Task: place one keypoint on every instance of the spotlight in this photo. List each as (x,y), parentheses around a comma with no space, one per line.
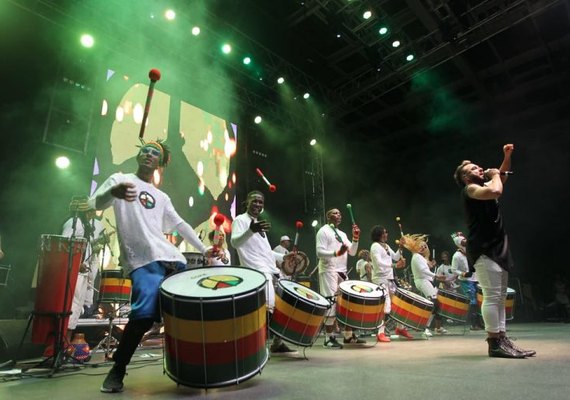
(395,43)
(62,162)
(306,96)
(170,14)
(257,120)
(314,223)
(383,30)
(409,57)
(367,14)
(247,60)
(87,40)
(196,31)
(313,142)
(280,80)
(226,49)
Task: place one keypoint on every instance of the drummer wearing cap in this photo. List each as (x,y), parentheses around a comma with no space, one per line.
(283,248)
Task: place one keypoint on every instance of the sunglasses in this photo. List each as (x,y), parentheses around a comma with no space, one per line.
(151,150)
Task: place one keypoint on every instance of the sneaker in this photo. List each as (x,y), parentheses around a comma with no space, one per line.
(428,333)
(331,343)
(527,353)
(113,383)
(281,348)
(403,332)
(353,340)
(381,337)
(441,331)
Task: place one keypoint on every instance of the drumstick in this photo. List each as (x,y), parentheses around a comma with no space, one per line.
(272,188)
(349,208)
(298,225)
(154,75)
(218,221)
(400,225)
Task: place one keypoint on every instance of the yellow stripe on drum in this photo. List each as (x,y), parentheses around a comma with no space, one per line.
(453,303)
(116,282)
(296,314)
(415,310)
(360,308)
(214,331)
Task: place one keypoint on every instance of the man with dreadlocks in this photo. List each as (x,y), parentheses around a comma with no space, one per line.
(144,214)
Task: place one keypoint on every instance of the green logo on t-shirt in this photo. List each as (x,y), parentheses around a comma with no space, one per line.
(147,201)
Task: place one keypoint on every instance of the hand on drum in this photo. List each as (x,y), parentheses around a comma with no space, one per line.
(401,263)
(260,226)
(126,191)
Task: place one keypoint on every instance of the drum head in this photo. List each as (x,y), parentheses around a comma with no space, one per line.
(303,292)
(413,296)
(362,289)
(295,263)
(213,282)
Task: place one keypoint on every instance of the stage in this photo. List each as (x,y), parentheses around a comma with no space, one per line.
(453,366)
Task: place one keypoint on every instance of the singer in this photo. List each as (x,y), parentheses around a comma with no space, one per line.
(332,248)
(143,214)
(488,247)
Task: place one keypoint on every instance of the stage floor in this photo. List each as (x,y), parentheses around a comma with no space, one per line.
(453,366)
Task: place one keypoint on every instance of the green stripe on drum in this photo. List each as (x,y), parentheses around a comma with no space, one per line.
(209,375)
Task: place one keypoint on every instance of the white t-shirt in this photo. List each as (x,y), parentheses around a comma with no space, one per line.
(382,258)
(141,224)
(361,269)
(215,262)
(420,268)
(253,249)
(459,265)
(327,244)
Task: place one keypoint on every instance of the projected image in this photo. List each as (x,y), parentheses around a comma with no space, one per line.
(200,178)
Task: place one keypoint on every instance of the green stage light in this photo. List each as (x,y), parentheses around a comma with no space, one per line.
(87,40)
(367,14)
(314,223)
(396,43)
(257,119)
(62,162)
(306,96)
(383,30)
(247,60)
(196,31)
(313,142)
(280,80)
(226,48)
(170,14)
(409,57)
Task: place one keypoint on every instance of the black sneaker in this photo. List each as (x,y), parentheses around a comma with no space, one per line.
(113,383)
(281,348)
(499,348)
(509,342)
(353,340)
(331,343)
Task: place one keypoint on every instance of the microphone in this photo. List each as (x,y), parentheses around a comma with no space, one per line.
(506,173)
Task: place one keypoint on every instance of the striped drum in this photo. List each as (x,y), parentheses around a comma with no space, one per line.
(215,325)
(299,313)
(360,304)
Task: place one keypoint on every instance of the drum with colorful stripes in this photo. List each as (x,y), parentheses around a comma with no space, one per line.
(411,309)
(360,304)
(452,305)
(509,302)
(114,287)
(215,325)
(299,313)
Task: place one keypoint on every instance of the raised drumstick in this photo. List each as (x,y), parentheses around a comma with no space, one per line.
(154,75)
(272,188)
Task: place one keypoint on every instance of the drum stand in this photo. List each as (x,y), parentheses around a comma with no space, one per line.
(109,342)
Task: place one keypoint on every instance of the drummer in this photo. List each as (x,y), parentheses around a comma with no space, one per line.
(144,213)
(364,266)
(423,276)
(224,258)
(384,260)
(283,248)
(249,238)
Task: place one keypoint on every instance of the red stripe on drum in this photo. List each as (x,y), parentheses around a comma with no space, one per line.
(215,353)
(358,316)
(294,330)
(115,289)
(407,316)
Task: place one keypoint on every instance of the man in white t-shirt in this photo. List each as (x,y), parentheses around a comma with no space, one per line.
(283,248)
(249,238)
(144,214)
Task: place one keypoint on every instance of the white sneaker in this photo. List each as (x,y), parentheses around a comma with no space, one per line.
(428,333)
(441,331)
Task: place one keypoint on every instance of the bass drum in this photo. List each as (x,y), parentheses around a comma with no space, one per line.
(215,325)
(411,309)
(360,304)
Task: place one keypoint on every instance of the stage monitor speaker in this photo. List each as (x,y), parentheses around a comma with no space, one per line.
(11,332)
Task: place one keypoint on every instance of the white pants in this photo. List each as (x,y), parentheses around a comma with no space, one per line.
(269,292)
(493,281)
(328,286)
(78,300)
(426,288)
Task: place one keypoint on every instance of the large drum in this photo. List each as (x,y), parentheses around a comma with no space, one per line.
(194,260)
(452,305)
(360,304)
(114,287)
(509,302)
(299,313)
(411,309)
(215,325)
(52,299)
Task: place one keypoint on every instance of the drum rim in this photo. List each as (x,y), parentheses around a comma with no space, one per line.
(326,303)
(358,295)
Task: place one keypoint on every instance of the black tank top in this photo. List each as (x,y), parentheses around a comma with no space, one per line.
(487,233)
